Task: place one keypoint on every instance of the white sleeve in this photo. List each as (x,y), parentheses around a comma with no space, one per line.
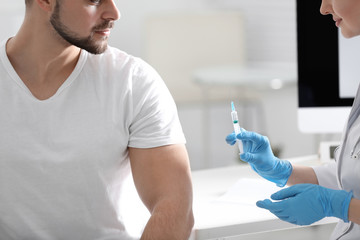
(326,175)
(155,119)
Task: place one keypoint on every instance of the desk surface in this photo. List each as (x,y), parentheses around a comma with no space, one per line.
(214,219)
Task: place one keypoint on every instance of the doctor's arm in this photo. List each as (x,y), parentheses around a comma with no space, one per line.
(258,153)
(302,174)
(354,211)
(163,180)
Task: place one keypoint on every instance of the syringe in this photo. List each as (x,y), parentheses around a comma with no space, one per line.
(235,120)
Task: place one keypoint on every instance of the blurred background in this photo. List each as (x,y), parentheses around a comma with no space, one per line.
(209,53)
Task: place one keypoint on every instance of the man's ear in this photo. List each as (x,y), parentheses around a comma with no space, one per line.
(46,5)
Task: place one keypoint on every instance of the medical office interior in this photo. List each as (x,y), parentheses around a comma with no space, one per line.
(209,53)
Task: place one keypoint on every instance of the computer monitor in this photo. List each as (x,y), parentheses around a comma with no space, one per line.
(328,71)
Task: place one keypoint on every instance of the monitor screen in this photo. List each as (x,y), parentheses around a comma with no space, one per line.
(327,71)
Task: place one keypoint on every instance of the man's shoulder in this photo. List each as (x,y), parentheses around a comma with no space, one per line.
(117,57)
(113,51)
(115,62)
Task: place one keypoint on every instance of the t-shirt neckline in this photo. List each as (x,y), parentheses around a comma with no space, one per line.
(15,77)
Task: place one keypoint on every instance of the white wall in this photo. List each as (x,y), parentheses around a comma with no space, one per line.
(270,34)
(270,24)
(11,15)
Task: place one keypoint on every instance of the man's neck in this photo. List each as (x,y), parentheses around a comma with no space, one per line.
(41,61)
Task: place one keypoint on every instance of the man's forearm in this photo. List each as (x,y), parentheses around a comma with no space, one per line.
(169,220)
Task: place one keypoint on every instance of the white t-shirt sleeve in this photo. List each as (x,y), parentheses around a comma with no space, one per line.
(326,175)
(155,119)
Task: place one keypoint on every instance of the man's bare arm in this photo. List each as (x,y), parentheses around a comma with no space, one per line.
(163,180)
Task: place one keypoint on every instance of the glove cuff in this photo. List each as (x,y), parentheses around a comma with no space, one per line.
(345,206)
(285,169)
(339,204)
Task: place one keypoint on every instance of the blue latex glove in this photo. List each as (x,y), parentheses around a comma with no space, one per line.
(305,204)
(258,153)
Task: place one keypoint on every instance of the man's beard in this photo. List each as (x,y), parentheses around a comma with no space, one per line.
(86,43)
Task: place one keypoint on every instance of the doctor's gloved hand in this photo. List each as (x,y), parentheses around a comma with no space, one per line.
(258,153)
(304,204)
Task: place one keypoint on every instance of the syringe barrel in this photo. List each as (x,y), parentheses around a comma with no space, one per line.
(234,117)
(236,125)
(241,146)
(237,129)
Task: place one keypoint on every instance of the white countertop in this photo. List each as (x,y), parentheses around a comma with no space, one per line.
(215,218)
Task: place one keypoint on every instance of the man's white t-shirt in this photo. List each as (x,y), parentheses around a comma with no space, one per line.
(63,160)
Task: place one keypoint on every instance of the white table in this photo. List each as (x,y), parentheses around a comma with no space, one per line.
(217,220)
(230,221)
